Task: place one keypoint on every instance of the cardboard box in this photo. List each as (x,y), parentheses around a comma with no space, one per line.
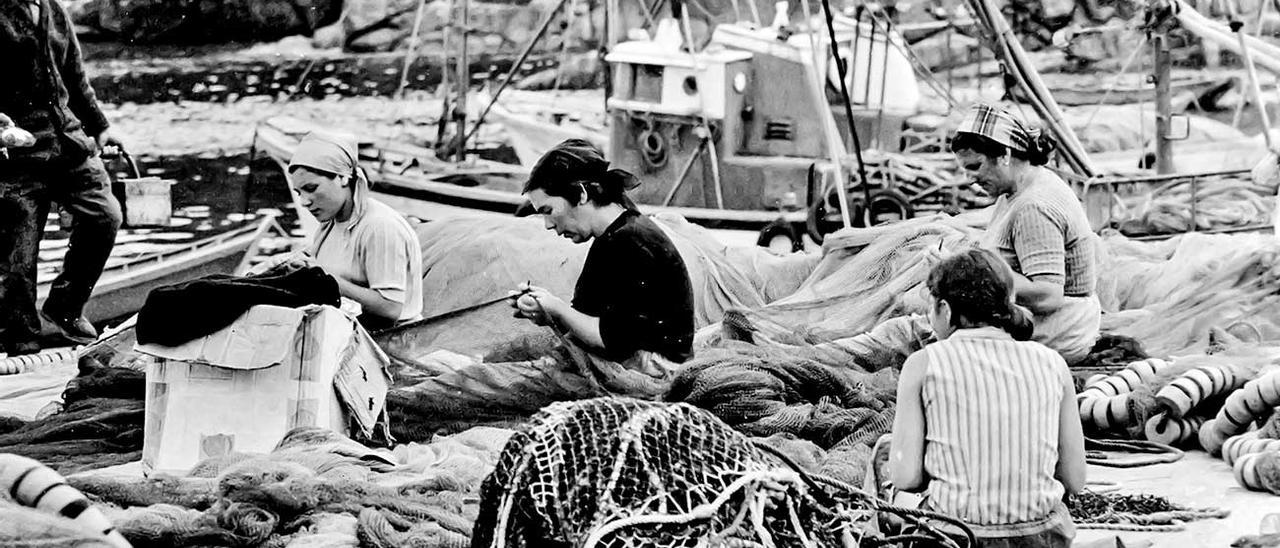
(241,389)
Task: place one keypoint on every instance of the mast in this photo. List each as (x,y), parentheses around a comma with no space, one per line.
(1164,110)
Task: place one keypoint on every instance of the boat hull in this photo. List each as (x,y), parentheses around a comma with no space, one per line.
(123,289)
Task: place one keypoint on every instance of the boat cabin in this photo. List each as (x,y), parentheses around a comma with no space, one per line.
(743,123)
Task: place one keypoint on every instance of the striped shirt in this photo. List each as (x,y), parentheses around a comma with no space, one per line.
(991,408)
(1044,233)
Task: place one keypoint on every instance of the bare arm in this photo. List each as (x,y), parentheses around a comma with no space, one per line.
(906,457)
(1071,469)
(541,307)
(1040,296)
(370,300)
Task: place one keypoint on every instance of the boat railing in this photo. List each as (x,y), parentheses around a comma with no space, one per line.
(1102,193)
(265,224)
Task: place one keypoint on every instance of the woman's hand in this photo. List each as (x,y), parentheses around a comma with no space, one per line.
(536,304)
(288,262)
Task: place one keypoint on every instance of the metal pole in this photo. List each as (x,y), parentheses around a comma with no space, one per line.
(464,84)
(1237,27)
(1164,111)
(413,50)
(511,74)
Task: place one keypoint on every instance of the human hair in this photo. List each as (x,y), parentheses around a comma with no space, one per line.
(576,167)
(1038,152)
(978,285)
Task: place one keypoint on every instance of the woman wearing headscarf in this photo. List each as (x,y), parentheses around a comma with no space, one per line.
(369,248)
(1038,226)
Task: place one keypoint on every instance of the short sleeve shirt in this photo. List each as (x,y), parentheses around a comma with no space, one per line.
(377,250)
(636,283)
(1044,234)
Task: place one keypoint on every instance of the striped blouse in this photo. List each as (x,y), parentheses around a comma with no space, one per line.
(991,407)
(1043,232)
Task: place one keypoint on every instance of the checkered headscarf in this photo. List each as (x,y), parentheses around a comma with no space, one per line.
(999,125)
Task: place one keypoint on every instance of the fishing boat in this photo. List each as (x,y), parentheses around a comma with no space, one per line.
(127,280)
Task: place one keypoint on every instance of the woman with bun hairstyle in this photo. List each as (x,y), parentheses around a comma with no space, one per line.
(1038,226)
(633,303)
(986,424)
(625,332)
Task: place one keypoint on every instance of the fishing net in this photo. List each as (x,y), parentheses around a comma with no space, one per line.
(314,487)
(1173,295)
(98,423)
(620,473)
(865,277)
(765,391)
(468,261)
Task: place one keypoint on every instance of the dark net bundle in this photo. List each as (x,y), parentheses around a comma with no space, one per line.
(1092,510)
(764,391)
(614,472)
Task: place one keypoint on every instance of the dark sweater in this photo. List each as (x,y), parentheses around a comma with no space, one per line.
(45,89)
(636,283)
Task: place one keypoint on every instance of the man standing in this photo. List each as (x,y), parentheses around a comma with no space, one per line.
(47,93)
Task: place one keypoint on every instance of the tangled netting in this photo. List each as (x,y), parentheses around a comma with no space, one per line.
(1091,510)
(764,391)
(866,276)
(467,261)
(315,485)
(98,423)
(622,472)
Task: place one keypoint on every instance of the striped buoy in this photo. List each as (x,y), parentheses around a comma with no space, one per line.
(1245,444)
(1105,413)
(1212,437)
(1253,400)
(1125,380)
(1169,430)
(1246,470)
(21,364)
(1194,386)
(35,485)
(1104,402)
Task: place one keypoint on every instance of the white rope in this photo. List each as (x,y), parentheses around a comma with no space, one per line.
(1115,81)
(702,511)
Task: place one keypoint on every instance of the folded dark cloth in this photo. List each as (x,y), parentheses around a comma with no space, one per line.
(176,314)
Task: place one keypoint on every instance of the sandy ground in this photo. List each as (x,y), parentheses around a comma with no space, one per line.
(1197,480)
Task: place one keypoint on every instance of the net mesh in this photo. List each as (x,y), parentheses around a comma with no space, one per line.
(613,472)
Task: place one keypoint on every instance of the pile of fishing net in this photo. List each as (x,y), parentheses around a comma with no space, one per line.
(1222,201)
(1169,295)
(866,276)
(764,391)
(316,488)
(1172,295)
(471,261)
(98,422)
(618,472)
(1120,512)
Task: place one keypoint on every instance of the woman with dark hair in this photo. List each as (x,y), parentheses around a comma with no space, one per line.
(986,421)
(625,332)
(1038,226)
(633,303)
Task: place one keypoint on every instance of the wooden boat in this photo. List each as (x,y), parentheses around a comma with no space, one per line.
(124,285)
(409,179)
(1186,88)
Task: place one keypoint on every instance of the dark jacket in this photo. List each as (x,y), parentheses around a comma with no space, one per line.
(45,89)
